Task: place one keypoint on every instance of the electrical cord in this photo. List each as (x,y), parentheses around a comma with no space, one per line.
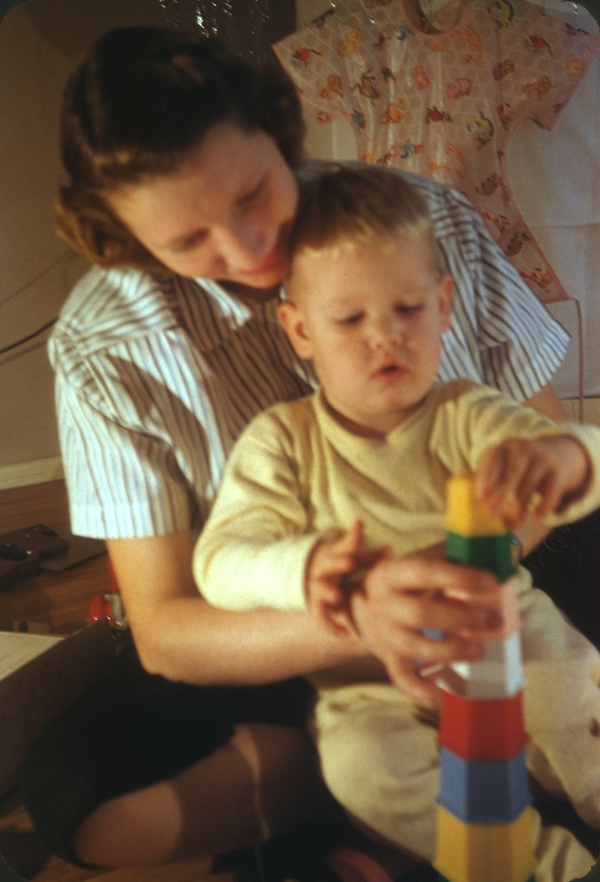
(28,337)
(40,275)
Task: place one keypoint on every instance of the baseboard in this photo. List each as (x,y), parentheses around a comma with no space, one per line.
(591,409)
(37,471)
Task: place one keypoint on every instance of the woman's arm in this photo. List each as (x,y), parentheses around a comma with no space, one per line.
(547,402)
(181,637)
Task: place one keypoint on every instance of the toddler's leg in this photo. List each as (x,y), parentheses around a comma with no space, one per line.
(562,705)
(380,761)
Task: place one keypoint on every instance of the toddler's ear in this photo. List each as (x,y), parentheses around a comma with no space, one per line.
(294,325)
(445,291)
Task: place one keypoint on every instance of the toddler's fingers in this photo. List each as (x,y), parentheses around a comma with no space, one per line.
(341,620)
(546,498)
(352,539)
(330,594)
(490,472)
(327,614)
(422,691)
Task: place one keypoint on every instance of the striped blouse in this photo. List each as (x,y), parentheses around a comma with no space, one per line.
(156,377)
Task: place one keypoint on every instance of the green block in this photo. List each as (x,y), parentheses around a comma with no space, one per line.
(485,552)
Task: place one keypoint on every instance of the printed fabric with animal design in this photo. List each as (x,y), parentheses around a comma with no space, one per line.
(443,101)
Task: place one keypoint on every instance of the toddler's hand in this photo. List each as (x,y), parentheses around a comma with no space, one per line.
(329,562)
(520,478)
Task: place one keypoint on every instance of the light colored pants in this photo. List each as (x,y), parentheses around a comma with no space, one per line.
(379,753)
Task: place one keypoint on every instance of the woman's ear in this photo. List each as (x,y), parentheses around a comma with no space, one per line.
(445,291)
(292,319)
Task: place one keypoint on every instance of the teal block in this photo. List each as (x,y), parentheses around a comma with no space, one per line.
(492,553)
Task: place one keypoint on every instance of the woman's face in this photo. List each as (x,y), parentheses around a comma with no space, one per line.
(224,214)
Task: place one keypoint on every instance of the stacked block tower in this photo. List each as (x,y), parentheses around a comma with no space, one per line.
(485,822)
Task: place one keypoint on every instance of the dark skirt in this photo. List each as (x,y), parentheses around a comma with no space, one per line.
(133,731)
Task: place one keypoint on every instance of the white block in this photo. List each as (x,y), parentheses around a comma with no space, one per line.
(498,675)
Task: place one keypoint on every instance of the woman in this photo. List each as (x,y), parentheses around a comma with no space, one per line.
(181,190)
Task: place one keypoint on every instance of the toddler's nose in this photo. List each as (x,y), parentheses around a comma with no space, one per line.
(384,332)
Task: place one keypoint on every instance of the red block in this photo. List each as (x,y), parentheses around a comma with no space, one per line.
(482,728)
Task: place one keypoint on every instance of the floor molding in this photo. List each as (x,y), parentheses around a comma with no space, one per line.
(37,471)
(591,409)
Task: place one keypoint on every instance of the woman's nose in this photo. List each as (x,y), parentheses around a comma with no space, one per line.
(242,244)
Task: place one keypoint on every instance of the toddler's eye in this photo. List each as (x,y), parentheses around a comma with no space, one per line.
(352,319)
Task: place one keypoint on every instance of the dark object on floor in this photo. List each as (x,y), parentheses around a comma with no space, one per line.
(560,813)
(567,567)
(22,550)
(78,549)
(298,855)
(301,856)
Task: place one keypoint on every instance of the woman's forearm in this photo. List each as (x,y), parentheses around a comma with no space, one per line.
(204,645)
(547,402)
(181,637)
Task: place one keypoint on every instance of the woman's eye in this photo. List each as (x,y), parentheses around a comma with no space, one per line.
(253,194)
(193,241)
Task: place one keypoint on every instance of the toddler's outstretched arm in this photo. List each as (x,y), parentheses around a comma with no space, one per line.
(532,477)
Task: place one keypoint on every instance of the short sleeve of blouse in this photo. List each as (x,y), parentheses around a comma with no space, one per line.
(154,382)
(121,482)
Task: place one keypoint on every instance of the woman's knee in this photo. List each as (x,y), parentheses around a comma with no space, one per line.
(283,761)
(204,810)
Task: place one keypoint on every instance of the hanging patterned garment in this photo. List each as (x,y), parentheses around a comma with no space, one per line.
(443,103)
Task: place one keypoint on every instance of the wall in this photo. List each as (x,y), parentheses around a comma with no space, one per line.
(41,41)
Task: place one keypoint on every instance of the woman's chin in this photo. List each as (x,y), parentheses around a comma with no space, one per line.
(251,290)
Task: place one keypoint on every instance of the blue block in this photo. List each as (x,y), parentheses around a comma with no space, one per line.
(483,791)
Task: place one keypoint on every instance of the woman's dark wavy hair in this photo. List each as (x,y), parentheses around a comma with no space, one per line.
(141,100)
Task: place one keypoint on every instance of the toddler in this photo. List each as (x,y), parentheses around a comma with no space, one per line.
(317,489)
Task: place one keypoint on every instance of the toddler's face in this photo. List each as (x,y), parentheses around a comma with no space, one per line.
(371,319)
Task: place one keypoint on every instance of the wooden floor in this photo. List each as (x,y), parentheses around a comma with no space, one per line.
(61,600)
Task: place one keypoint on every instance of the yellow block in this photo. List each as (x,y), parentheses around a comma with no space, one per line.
(465,514)
(485,852)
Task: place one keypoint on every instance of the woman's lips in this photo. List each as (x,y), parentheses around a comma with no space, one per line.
(270,262)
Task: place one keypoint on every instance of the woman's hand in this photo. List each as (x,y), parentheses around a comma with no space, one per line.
(400,598)
(522,478)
